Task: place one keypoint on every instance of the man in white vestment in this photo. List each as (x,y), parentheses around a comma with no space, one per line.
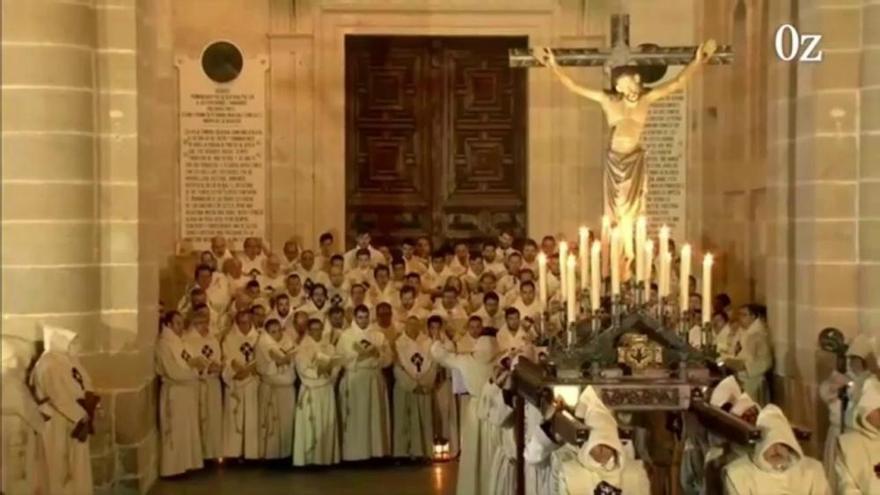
(236,279)
(23,465)
(706,473)
(326,251)
(334,325)
(383,290)
(510,280)
(493,263)
(460,262)
(527,304)
(63,389)
(476,269)
(498,419)
(216,290)
(363,242)
(449,308)
(726,337)
(776,464)
(201,342)
(530,255)
(253,257)
(318,304)
(414,376)
(363,395)
(598,467)
(316,434)
(754,356)
(290,258)
(408,307)
(273,279)
(293,288)
(858,355)
(282,312)
(514,339)
(277,398)
(858,457)
(179,424)
(310,273)
(475,369)
(240,409)
(491,312)
(434,279)
(219,250)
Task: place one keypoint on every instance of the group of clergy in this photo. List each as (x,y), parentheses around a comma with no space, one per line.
(374,353)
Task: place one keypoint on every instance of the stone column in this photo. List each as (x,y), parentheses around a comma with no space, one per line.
(868,172)
(70,212)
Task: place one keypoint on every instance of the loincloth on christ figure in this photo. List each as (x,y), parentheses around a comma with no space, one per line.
(625,185)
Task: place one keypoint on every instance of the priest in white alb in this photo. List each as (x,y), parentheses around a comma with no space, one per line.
(201,342)
(754,356)
(63,388)
(23,465)
(277,397)
(240,409)
(316,439)
(179,426)
(363,392)
(414,376)
(777,464)
(475,369)
(857,463)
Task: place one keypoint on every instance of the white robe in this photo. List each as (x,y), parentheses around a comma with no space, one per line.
(858,454)
(178,407)
(363,396)
(499,420)
(495,321)
(22,469)
(475,369)
(316,441)
(751,475)
(276,397)
(210,394)
(518,342)
(240,408)
(535,310)
(413,415)
(455,317)
(757,356)
(60,380)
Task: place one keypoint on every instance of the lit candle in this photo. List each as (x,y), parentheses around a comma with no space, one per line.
(595,275)
(606,240)
(615,262)
(648,267)
(583,254)
(571,265)
(542,279)
(707,288)
(563,257)
(641,237)
(684,277)
(664,241)
(665,268)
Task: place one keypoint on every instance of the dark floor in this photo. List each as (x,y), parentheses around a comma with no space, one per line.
(264,479)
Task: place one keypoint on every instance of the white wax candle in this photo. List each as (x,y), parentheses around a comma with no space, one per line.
(685,275)
(542,279)
(572,298)
(615,262)
(665,269)
(707,288)
(664,241)
(641,237)
(563,276)
(583,255)
(649,266)
(596,275)
(606,240)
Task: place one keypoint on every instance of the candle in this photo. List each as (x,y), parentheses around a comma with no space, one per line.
(606,239)
(596,272)
(563,258)
(664,241)
(583,255)
(665,267)
(648,267)
(542,279)
(641,237)
(684,277)
(570,285)
(707,288)
(615,262)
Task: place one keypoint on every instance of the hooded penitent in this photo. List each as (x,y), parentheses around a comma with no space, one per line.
(858,456)
(742,404)
(754,474)
(725,392)
(56,339)
(16,398)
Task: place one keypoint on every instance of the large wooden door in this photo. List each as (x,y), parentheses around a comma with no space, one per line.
(435,137)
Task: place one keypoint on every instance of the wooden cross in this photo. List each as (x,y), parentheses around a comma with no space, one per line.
(620,53)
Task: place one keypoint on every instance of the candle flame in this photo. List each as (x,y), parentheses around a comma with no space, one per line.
(542,258)
(572,261)
(583,231)
(597,246)
(686,249)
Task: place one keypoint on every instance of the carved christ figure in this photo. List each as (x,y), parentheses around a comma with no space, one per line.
(626,110)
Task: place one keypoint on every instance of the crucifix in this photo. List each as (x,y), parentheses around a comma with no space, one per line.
(625,106)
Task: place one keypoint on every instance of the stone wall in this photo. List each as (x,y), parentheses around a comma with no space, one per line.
(72,241)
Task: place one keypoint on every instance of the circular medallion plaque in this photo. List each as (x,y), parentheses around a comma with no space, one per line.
(222,61)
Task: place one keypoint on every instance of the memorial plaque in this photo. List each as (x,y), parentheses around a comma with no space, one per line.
(222,145)
(665,141)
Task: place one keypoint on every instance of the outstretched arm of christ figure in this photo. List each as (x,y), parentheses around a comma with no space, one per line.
(704,52)
(549,60)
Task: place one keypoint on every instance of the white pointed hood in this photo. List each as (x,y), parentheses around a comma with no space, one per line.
(868,402)
(742,404)
(726,392)
(860,346)
(603,431)
(57,339)
(775,428)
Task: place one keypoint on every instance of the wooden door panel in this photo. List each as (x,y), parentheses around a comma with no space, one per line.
(435,137)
